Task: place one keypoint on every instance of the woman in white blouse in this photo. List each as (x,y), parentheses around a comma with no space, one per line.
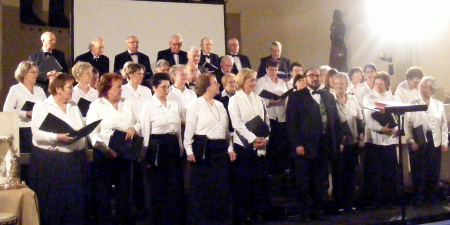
(356,75)
(161,127)
(426,158)
(82,71)
(178,91)
(250,192)
(58,162)
(133,90)
(26,74)
(209,149)
(277,149)
(116,114)
(381,155)
(344,166)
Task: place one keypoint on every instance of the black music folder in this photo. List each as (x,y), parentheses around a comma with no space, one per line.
(54,124)
(49,64)
(384,118)
(199,147)
(269,95)
(258,127)
(210,66)
(28,106)
(83,105)
(128,149)
(419,135)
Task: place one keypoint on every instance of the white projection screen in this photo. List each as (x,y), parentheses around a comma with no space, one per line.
(152,22)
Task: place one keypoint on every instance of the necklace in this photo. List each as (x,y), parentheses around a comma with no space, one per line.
(210,108)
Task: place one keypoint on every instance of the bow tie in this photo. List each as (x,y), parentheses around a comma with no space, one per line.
(133,53)
(173,53)
(316,92)
(234,55)
(47,54)
(207,56)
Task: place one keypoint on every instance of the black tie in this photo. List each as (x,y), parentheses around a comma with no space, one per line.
(207,56)
(316,92)
(47,54)
(233,55)
(133,53)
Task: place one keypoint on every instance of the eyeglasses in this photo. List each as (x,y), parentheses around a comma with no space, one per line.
(165,87)
(314,76)
(70,87)
(177,44)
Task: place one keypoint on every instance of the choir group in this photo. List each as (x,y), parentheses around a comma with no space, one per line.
(204,133)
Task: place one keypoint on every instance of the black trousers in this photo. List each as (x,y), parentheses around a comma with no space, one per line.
(209,194)
(59,180)
(380,177)
(164,189)
(425,168)
(344,175)
(26,145)
(110,172)
(278,155)
(249,184)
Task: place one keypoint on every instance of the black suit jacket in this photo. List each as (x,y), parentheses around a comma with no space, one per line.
(219,74)
(214,59)
(168,56)
(39,57)
(101,64)
(283,67)
(304,123)
(245,62)
(143,59)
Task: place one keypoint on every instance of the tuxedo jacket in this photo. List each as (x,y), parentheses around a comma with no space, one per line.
(304,124)
(168,56)
(101,64)
(245,62)
(283,67)
(39,57)
(219,74)
(214,60)
(143,59)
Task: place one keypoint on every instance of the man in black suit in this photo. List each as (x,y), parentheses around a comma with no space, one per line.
(132,54)
(240,61)
(208,59)
(314,130)
(226,65)
(283,69)
(174,55)
(48,49)
(95,56)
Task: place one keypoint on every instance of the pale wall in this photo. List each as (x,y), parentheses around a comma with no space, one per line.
(302,27)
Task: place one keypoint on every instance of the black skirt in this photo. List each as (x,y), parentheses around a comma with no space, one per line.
(209,193)
(59,180)
(164,183)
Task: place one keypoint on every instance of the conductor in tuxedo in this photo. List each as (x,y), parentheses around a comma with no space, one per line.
(95,56)
(226,65)
(174,55)
(132,54)
(314,130)
(240,61)
(48,49)
(208,59)
(275,53)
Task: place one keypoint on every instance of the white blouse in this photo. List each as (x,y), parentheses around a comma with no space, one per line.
(277,111)
(138,97)
(350,112)
(404,93)
(362,90)
(204,119)
(112,119)
(182,99)
(159,119)
(91,96)
(375,128)
(17,96)
(48,140)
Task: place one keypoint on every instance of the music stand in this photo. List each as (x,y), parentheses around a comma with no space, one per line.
(398,109)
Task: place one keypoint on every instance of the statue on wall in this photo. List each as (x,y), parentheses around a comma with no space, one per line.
(338,52)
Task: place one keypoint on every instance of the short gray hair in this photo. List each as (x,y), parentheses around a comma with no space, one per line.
(162,62)
(192,49)
(175,68)
(276,44)
(45,35)
(324,68)
(433,84)
(226,57)
(79,68)
(343,76)
(23,69)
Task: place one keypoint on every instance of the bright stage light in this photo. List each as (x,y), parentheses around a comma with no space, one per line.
(408,19)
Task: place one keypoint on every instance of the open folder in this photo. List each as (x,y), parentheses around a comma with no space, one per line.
(56,125)
(129,149)
(28,106)
(83,104)
(269,95)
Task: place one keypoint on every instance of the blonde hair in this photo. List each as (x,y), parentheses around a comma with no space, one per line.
(242,76)
(23,69)
(79,68)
